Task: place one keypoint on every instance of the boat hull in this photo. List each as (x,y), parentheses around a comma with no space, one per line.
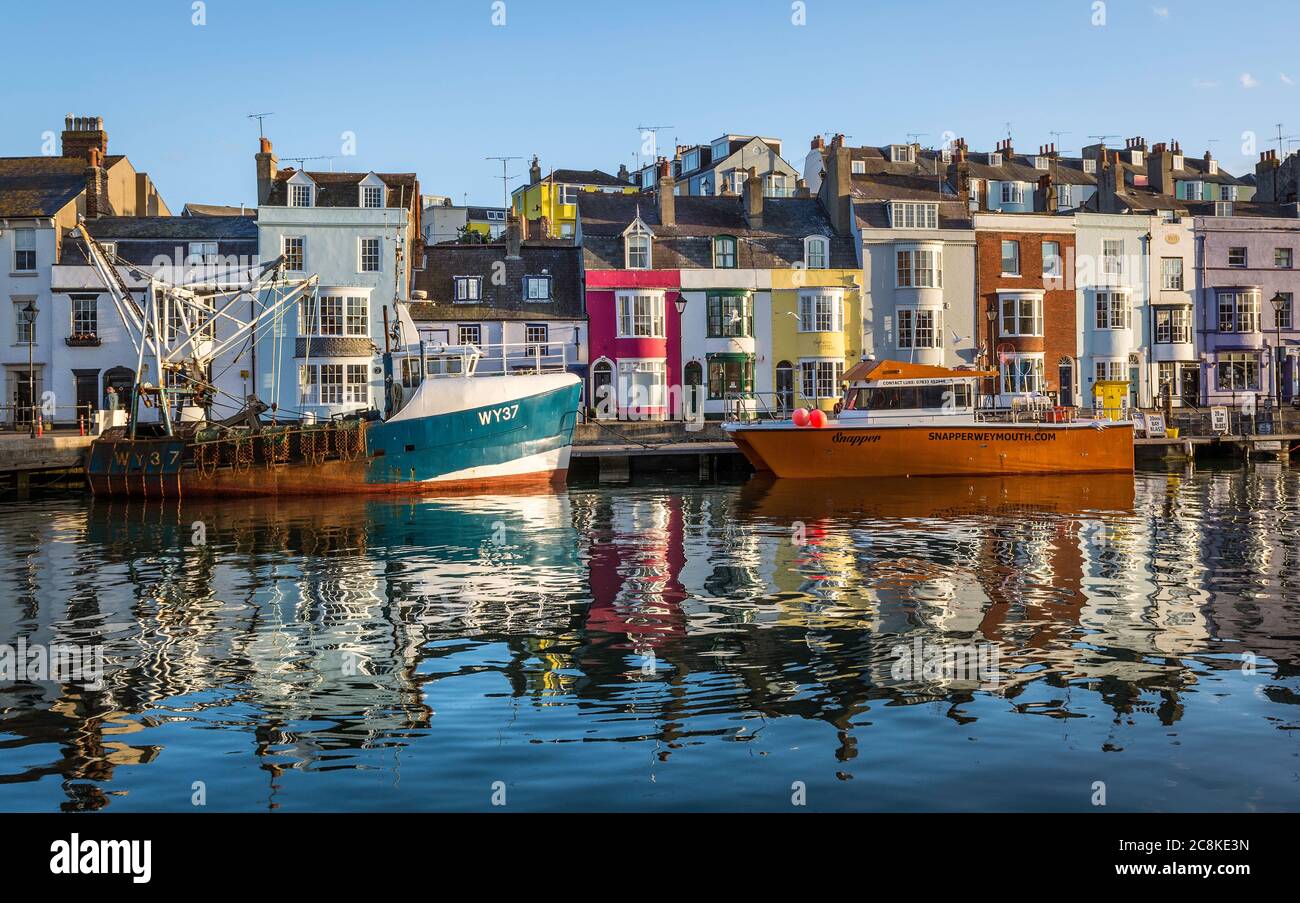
(984,449)
(511,442)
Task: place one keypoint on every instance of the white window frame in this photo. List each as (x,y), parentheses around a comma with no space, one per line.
(913,215)
(285,240)
(469,334)
(1020,323)
(919,328)
(295,198)
(821,311)
(918,267)
(366,195)
(19,262)
(640,315)
(638,236)
(467,289)
(364,257)
(1013,192)
(820,378)
(1113,310)
(1015,378)
(89,324)
(1176,328)
(1171,281)
(537,288)
(1014,243)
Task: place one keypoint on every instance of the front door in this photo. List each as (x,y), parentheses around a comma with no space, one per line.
(24,393)
(87,391)
(1190,384)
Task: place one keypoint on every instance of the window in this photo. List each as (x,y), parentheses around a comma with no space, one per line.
(468,289)
(1238,372)
(1193,191)
(1282,258)
(1165,378)
(1041,162)
(816,253)
(1238,311)
(1283,313)
(1021,373)
(730,316)
(1114,310)
(357,389)
(736,181)
(335,315)
(24,250)
(204,252)
(1022,315)
(730,374)
(859,167)
(569,194)
(370,255)
(535,338)
(1223,208)
(820,313)
(637,246)
(85,315)
(358,317)
(642,383)
(299,195)
(900,153)
(1112,258)
(820,379)
(1237,257)
(1051,260)
(1090,166)
(1064,197)
(1109,370)
(1013,193)
(724,252)
(1010,258)
(330,384)
(1171,274)
(537,288)
(911,215)
(995,159)
(641,316)
(294,251)
(920,269)
(920,328)
(469,334)
(24,332)
(372,196)
(778,185)
(1173,325)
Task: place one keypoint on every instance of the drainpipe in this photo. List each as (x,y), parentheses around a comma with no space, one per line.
(1203,331)
(1143,357)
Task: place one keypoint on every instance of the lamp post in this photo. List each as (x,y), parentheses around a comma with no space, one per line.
(1278,301)
(990,349)
(28,314)
(680,304)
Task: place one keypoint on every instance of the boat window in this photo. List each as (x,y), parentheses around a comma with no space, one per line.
(905,398)
(444,366)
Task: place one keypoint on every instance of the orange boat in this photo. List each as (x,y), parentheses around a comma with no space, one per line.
(898,419)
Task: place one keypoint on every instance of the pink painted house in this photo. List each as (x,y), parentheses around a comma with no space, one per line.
(634,320)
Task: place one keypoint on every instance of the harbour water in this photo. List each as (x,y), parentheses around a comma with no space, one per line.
(1135,641)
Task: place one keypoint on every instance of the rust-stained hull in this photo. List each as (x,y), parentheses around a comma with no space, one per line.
(985,449)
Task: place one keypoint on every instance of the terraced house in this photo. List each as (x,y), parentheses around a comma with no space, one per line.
(41,198)
(723,166)
(356,232)
(739,301)
(916,244)
(550,200)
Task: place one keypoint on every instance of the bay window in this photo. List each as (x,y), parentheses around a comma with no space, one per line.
(821,312)
(820,379)
(730,374)
(1114,310)
(1109,370)
(730,316)
(1238,372)
(641,383)
(920,328)
(919,268)
(1239,311)
(1173,325)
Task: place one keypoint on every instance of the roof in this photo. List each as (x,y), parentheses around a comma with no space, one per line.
(339,189)
(1021,168)
(501,299)
(39,186)
(143,239)
(217,210)
(874,371)
(924,179)
(687,244)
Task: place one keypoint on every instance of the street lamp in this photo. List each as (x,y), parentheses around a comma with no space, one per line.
(1278,301)
(680,304)
(28,315)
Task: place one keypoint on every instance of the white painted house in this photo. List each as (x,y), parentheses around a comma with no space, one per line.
(355,232)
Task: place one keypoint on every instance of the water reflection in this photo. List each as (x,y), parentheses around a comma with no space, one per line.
(664,647)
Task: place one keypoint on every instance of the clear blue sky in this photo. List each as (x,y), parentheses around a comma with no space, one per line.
(435,87)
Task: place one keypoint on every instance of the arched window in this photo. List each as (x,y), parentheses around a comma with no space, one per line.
(724,252)
(602,390)
(638,251)
(816,252)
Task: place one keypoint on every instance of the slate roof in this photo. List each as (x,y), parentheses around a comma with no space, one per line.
(340,189)
(142,239)
(39,186)
(217,210)
(688,244)
(585,177)
(926,179)
(1020,168)
(445,261)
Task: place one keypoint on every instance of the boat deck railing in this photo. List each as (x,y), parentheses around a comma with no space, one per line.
(499,359)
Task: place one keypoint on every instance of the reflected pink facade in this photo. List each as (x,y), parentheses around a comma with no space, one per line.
(612,356)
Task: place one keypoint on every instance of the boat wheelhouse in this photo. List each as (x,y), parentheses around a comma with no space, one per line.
(903,419)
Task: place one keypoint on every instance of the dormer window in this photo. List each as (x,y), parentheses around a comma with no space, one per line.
(1013,193)
(1223,208)
(1090,166)
(468,289)
(724,252)
(638,251)
(1135,157)
(816,252)
(1212,167)
(300,195)
(913,215)
(901,153)
(372,196)
(1193,191)
(736,180)
(995,159)
(859,167)
(1178,161)
(537,288)
(1041,162)
(945,155)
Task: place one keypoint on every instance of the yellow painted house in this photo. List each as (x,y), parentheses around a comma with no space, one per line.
(816,332)
(553,197)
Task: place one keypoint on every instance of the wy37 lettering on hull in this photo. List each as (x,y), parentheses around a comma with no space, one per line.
(498,415)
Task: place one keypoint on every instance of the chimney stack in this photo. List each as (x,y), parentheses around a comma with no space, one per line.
(534,171)
(836,192)
(96,185)
(818,143)
(753,199)
(623,174)
(514,235)
(1047,197)
(667,200)
(81,134)
(1160,169)
(268,167)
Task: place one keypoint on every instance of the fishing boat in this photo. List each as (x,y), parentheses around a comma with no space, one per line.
(899,419)
(445,428)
